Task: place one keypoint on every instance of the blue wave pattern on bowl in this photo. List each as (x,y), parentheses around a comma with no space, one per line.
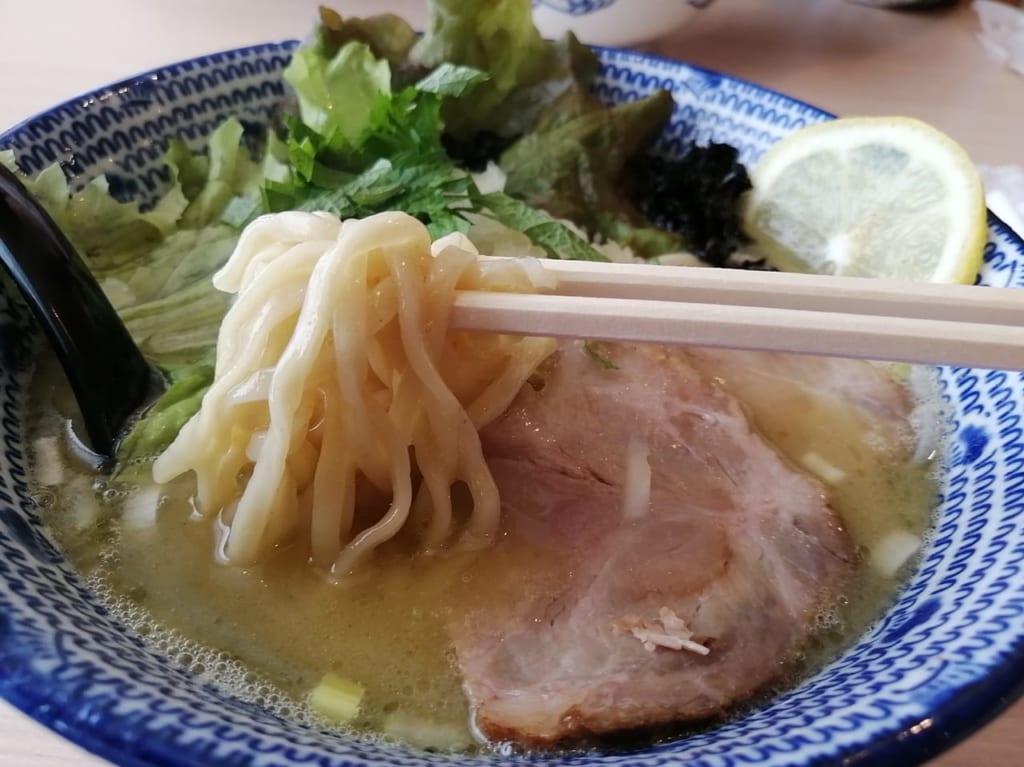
(913,682)
(129,123)
(575,7)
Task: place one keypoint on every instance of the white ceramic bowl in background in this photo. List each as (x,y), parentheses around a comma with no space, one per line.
(613,22)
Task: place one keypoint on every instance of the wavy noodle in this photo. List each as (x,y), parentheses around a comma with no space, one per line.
(336,371)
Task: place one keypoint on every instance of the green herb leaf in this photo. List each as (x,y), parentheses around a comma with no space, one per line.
(555,237)
(451,80)
(574,166)
(434,192)
(590,348)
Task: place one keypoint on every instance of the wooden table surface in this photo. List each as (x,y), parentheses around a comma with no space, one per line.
(843,57)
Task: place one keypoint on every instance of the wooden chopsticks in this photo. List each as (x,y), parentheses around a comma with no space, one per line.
(810,314)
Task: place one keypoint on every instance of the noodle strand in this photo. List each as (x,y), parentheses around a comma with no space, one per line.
(335,368)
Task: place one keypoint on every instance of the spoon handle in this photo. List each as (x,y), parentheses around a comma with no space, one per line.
(107,373)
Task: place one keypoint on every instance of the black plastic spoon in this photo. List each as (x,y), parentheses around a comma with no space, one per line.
(107,372)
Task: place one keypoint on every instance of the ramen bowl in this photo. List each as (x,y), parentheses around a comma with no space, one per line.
(945,658)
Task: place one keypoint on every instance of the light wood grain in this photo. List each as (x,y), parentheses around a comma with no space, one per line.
(857,61)
(843,57)
(879,319)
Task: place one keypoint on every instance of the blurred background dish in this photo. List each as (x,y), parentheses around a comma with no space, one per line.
(614,22)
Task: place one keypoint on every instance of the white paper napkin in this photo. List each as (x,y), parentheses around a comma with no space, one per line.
(1004,192)
(1002,32)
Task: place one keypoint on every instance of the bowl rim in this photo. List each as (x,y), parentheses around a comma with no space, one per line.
(951,722)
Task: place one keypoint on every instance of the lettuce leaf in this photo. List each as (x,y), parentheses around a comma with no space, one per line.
(388,36)
(525,70)
(161,423)
(102,229)
(337,95)
(229,172)
(575,164)
(113,235)
(497,37)
(156,266)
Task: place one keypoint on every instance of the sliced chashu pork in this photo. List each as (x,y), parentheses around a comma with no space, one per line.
(603,616)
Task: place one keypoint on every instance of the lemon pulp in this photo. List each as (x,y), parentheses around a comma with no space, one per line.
(869,196)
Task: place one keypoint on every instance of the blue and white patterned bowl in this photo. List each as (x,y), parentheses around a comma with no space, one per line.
(614,22)
(949,655)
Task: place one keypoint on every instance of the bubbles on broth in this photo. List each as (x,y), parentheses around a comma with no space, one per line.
(207,664)
(828,620)
(927,420)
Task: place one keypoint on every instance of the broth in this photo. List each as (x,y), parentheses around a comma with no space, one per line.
(270,632)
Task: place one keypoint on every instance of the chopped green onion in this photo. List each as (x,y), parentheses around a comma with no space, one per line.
(337,698)
(595,354)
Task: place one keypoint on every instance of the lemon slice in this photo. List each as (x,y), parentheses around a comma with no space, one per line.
(869,196)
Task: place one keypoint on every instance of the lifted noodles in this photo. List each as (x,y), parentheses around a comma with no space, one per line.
(334,360)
